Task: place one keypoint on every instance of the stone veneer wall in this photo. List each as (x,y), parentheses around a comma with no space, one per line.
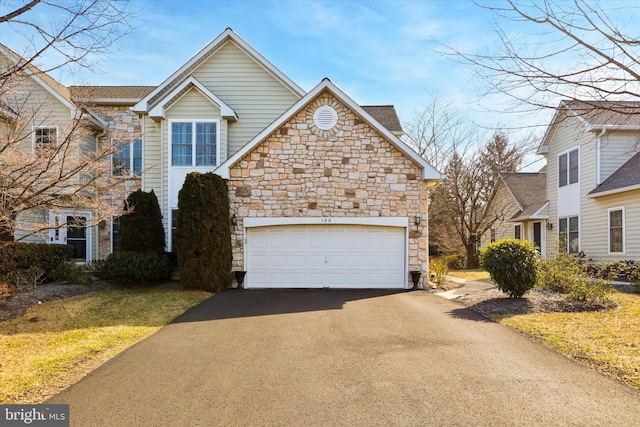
(348,171)
(123,123)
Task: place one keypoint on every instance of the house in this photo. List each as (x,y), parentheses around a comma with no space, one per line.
(518,208)
(593,179)
(323,192)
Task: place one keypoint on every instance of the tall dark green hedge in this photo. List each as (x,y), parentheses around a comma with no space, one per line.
(203,233)
(142,230)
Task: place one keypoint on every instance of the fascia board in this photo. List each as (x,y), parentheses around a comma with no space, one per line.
(428,171)
(143,105)
(225,111)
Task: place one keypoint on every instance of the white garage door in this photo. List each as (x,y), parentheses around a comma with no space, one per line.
(327,255)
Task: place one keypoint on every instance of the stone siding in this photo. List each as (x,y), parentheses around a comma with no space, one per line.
(348,171)
(122,124)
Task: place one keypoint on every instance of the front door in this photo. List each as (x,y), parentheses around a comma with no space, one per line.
(537,236)
(70,229)
(77,236)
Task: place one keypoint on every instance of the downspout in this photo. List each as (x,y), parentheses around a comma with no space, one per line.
(599,155)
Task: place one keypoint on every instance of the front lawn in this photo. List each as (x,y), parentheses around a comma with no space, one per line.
(75,335)
(471,274)
(607,340)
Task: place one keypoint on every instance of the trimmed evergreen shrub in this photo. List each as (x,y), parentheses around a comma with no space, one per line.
(204,233)
(135,267)
(142,230)
(455,261)
(16,256)
(513,265)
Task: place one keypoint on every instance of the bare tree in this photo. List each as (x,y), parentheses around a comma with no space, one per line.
(64,168)
(458,204)
(73,33)
(51,157)
(571,50)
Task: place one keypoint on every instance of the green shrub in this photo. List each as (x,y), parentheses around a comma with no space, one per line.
(203,233)
(16,256)
(130,267)
(512,264)
(71,272)
(455,261)
(141,230)
(25,279)
(439,267)
(567,274)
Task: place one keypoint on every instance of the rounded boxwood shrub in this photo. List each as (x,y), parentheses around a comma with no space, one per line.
(513,265)
(129,267)
(18,256)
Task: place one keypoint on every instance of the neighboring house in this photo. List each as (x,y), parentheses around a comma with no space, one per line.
(593,179)
(518,209)
(323,192)
(36,114)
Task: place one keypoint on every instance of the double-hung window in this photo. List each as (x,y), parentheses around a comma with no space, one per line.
(517,231)
(569,234)
(194,143)
(128,161)
(616,230)
(45,138)
(568,171)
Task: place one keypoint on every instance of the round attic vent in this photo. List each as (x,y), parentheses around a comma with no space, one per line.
(325,117)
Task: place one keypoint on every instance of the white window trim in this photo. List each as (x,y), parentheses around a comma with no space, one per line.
(519,224)
(566,152)
(193,141)
(131,155)
(33,135)
(624,240)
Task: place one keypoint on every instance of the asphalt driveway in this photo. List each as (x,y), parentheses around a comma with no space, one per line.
(343,357)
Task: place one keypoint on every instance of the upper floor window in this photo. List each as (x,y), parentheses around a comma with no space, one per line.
(569,234)
(194,143)
(45,138)
(616,230)
(128,161)
(568,168)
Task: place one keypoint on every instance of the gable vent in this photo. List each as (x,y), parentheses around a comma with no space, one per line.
(325,117)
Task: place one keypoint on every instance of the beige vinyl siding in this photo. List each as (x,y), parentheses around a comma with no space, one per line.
(595,226)
(615,149)
(504,205)
(153,163)
(570,133)
(256,96)
(24,220)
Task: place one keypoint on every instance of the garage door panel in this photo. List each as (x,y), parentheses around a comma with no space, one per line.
(327,255)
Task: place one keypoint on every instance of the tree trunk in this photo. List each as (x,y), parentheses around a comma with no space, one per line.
(472,256)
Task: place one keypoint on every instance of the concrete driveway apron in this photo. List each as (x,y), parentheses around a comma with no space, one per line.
(343,357)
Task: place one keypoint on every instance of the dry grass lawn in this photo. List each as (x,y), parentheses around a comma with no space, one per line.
(471,274)
(607,340)
(76,335)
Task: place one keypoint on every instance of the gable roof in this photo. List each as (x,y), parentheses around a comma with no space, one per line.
(626,178)
(428,171)
(529,190)
(191,82)
(51,85)
(152,98)
(595,115)
(387,116)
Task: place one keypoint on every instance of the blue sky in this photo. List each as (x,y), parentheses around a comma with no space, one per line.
(378,52)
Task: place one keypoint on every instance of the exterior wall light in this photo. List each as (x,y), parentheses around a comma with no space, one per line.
(549,226)
(234,220)
(416,220)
